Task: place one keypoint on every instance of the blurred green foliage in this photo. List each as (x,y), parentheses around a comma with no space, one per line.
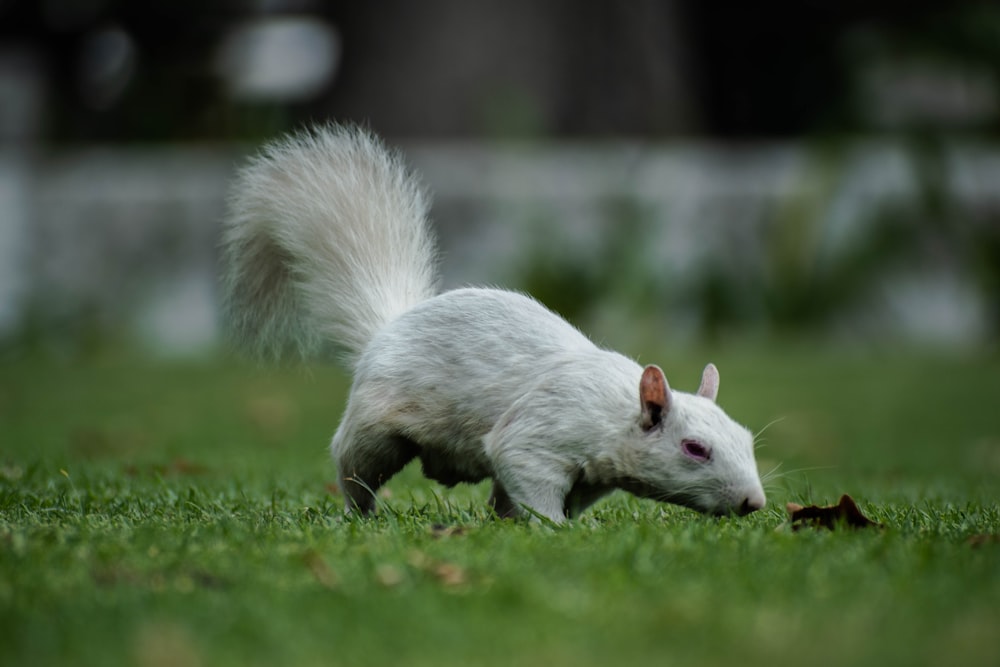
(795,281)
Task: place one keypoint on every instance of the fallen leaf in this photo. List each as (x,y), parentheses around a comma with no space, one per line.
(388,575)
(114,575)
(450,574)
(165,644)
(845,512)
(179,467)
(446,573)
(419,560)
(11,472)
(439,530)
(320,569)
(981,540)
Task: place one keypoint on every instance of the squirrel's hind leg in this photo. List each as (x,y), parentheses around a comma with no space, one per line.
(365,461)
(501,502)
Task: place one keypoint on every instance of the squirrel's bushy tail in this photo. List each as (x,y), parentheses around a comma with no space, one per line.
(325,241)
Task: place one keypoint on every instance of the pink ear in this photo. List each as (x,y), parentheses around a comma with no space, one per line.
(709,382)
(654,397)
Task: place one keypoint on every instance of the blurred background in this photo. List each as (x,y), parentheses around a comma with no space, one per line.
(708,169)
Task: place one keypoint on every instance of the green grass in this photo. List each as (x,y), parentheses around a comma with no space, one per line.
(157,513)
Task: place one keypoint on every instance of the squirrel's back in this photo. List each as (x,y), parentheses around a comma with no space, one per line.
(325,242)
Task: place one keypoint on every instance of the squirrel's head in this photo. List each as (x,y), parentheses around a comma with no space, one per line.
(691,452)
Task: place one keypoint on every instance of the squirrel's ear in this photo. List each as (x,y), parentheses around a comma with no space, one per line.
(654,397)
(709,382)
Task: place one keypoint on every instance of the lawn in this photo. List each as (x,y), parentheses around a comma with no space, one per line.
(167,513)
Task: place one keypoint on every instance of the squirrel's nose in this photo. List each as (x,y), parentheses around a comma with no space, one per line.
(751,503)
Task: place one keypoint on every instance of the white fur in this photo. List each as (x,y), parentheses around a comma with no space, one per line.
(327,243)
(325,240)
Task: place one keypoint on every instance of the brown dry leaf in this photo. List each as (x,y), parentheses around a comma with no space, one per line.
(179,467)
(389,575)
(845,512)
(332,488)
(115,575)
(11,472)
(184,467)
(439,530)
(162,644)
(320,569)
(447,573)
(419,560)
(101,442)
(450,574)
(981,540)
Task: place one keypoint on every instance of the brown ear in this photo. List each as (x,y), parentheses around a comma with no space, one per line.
(654,397)
(709,382)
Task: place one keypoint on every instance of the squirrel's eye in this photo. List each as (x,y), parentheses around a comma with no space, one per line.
(695,450)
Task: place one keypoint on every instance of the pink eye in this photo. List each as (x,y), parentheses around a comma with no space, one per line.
(695,450)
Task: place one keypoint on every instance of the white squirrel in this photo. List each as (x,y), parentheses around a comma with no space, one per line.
(326,246)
